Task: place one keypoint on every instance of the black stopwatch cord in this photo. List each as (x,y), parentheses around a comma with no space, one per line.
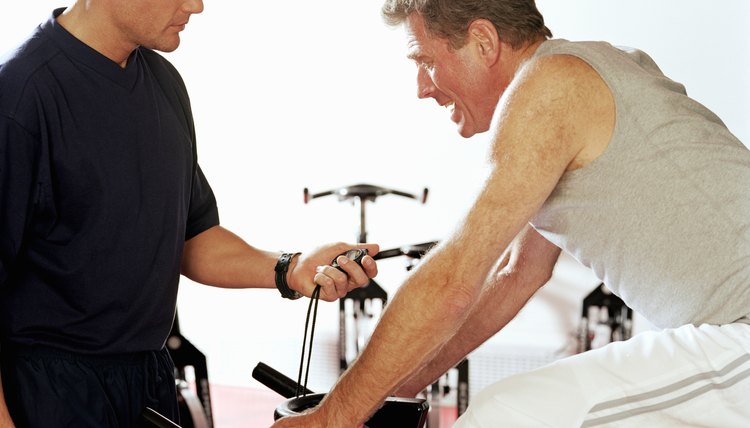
(314,298)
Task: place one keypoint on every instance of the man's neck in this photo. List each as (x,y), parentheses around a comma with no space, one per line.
(511,61)
(91,26)
(517,57)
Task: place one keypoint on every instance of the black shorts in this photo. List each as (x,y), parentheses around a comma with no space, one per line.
(49,388)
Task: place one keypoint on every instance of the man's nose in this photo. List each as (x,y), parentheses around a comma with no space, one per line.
(193,6)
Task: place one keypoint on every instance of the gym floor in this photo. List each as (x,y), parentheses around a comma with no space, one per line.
(236,407)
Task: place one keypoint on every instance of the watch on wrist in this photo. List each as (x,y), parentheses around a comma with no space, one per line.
(281,269)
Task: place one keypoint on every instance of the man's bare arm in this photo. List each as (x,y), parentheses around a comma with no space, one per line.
(526,267)
(220,258)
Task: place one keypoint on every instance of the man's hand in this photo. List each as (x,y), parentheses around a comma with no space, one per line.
(304,421)
(315,268)
(312,419)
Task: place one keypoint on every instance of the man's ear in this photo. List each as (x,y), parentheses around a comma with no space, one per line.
(483,33)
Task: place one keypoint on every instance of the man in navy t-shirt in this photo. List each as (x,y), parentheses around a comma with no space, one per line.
(102,207)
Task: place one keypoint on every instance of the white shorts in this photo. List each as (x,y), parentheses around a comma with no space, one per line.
(684,377)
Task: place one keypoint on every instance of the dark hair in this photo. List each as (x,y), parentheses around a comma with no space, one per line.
(518,22)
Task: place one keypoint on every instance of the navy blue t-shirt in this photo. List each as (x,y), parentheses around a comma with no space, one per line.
(99,190)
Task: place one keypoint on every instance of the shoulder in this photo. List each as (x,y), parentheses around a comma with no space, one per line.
(559,102)
(563,83)
(559,75)
(20,67)
(553,89)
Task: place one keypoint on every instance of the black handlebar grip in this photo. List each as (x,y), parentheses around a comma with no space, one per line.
(276,381)
(386,254)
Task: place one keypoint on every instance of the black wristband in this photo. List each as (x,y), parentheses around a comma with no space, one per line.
(282,266)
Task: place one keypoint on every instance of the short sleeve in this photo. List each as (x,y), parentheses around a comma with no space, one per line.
(203,213)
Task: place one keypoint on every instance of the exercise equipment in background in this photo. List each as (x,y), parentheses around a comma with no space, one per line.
(195,406)
(360,309)
(605,318)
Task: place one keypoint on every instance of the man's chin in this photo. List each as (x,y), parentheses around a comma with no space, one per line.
(465,131)
(164,45)
(167,49)
(470,131)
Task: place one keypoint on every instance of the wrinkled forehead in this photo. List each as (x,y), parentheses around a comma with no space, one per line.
(417,38)
(422,44)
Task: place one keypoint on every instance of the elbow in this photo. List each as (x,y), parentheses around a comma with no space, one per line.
(538,278)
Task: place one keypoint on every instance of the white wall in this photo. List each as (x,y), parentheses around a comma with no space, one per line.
(295,94)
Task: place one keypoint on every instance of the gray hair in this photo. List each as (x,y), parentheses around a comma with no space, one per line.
(517,22)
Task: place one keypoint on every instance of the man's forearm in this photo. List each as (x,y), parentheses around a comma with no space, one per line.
(362,389)
(493,311)
(505,292)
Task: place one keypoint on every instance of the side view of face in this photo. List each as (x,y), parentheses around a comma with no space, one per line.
(458,79)
(155,24)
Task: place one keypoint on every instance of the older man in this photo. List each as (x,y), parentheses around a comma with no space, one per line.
(597,153)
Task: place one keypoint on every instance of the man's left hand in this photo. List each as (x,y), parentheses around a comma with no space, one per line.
(315,269)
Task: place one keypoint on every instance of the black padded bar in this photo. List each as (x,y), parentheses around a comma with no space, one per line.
(276,381)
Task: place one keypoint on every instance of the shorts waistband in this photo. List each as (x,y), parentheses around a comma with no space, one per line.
(44,351)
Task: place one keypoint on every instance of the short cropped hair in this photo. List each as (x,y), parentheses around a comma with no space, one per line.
(517,22)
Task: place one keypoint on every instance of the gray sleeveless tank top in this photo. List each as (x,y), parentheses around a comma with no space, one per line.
(663,215)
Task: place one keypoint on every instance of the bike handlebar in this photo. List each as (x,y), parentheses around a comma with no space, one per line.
(416,251)
(367,192)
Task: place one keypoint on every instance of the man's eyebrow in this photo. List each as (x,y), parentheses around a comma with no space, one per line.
(414,56)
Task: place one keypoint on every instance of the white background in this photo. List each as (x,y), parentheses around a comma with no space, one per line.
(295,94)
